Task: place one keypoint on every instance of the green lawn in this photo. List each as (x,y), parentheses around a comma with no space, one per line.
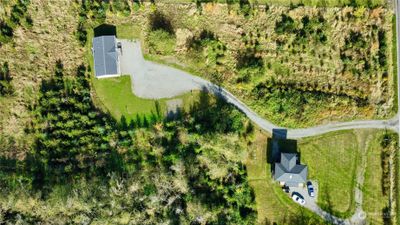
(115,96)
(118,99)
(332,160)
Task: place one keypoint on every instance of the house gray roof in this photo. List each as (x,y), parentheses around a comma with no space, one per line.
(105,56)
(289,171)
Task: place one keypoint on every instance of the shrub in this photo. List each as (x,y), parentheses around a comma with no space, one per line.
(6,32)
(6,87)
(161,42)
(285,25)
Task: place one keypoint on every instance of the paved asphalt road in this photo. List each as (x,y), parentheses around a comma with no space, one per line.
(155,81)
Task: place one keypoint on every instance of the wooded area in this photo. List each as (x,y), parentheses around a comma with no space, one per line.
(183,171)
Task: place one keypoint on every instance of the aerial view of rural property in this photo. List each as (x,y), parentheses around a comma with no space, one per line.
(199,112)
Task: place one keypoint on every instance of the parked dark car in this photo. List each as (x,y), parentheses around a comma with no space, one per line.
(286,189)
(310,189)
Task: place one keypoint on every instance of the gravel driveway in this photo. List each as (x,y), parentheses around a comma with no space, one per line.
(154,81)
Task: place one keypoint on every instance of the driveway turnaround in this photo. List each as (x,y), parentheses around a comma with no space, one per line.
(154,81)
(311,204)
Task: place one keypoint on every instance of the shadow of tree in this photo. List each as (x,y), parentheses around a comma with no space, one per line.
(159,21)
(386,216)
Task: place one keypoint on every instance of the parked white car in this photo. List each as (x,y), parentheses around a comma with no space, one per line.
(310,189)
(298,198)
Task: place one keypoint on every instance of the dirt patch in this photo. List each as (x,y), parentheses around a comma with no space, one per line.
(174,107)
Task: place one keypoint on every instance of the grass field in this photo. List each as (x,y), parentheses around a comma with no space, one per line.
(332,161)
(374,201)
(394,60)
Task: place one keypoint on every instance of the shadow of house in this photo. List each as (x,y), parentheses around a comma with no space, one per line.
(278,144)
(105,30)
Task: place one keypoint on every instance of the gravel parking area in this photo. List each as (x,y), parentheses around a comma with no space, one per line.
(154,81)
(311,204)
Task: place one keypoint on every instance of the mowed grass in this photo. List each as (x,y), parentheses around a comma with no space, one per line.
(373,199)
(332,161)
(273,205)
(118,99)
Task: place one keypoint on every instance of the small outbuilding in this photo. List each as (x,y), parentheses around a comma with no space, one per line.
(289,172)
(106,56)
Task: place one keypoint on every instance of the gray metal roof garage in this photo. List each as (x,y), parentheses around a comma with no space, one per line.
(106,59)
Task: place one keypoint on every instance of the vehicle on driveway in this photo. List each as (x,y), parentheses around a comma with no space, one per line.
(298,198)
(310,189)
(286,189)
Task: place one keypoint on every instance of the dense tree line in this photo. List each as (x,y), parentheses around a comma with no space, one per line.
(184,171)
